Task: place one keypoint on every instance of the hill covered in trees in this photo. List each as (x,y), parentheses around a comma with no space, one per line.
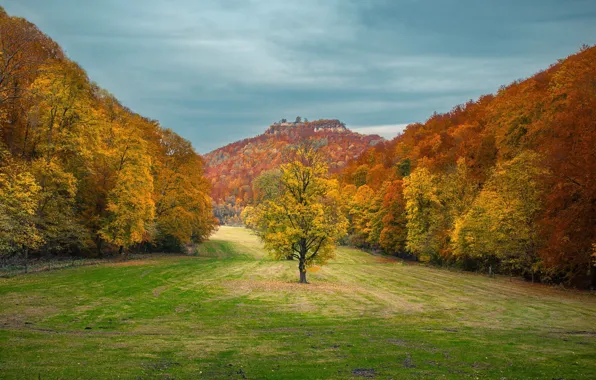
(506,183)
(79,172)
(233,167)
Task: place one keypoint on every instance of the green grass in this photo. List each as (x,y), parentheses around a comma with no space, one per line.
(231,312)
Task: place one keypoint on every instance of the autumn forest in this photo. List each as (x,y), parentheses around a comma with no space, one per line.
(472,229)
(79,171)
(505,183)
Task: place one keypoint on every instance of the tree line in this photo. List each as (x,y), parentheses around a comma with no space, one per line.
(79,172)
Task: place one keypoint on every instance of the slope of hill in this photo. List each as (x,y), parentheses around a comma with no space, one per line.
(507,182)
(79,172)
(233,167)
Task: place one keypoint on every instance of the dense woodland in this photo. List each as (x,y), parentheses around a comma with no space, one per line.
(233,167)
(79,172)
(504,184)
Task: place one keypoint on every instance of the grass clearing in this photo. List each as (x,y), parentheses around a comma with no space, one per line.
(231,312)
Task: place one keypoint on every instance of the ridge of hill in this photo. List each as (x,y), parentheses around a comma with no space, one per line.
(232,168)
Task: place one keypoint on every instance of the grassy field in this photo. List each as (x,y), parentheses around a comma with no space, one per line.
(230,312)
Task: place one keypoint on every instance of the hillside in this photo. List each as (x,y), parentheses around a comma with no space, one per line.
(506,183)
(233,167)
(81,173)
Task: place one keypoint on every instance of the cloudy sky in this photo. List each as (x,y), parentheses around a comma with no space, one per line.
(216,71)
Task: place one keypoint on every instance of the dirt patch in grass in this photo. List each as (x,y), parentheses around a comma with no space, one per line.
(18,310)
(283,330)
(157,291)
(364,372)
(386,260)
(408,362)
(24,316)
(590,334)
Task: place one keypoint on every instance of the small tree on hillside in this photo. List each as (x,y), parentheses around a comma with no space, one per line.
(301,215)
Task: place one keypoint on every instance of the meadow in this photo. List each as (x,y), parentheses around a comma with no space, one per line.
(229,311)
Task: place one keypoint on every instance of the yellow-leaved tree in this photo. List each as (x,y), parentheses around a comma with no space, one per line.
(301,216)
(19,201)
(130,204)
(181,192)
(500,225)
(423,213)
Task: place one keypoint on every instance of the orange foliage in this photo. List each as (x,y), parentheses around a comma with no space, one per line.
(553,114)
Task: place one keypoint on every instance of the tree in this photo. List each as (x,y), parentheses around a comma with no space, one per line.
(360,175)
(23,48)
(303,219)
(19,201)
(267,185)
(360,215)
(501,224)
(130,207)
(181,193)
(56,220)
(394,232)
(423,212)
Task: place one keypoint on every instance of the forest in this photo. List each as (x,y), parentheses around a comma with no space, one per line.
(504,184)
(81,174)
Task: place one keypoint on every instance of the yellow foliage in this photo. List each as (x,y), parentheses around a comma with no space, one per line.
(303,220)
(500,222)
(19,201)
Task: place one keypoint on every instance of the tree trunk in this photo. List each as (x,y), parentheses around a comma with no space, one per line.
(302,269)
(98,244)
(302,263)
(303,277)
(26,259)
(121,250)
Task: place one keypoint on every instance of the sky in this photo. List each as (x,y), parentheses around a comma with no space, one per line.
(216,71)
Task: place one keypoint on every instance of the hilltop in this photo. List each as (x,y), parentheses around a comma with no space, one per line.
(232,168)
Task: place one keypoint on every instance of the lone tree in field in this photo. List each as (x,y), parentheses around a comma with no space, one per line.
(298,214)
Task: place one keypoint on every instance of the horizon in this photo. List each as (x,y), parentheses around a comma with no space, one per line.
(218,73)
